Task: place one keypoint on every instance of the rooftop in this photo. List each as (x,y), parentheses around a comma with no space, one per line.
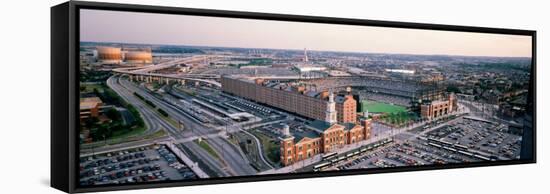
(290,86)
(90,102)
(348,126)
(299,135)
(319,125)
(341,98)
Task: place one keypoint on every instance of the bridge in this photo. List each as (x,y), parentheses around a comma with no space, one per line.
(171,63)
(146,74)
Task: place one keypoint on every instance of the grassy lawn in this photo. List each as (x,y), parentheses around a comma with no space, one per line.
(90,88)
(162,113)
(127,133)
(271,149)
(250,148)
(380,107)
(120,136)
(393,114)
(114,131)
(159,133)
(134,135)
(171,121)
(204,145)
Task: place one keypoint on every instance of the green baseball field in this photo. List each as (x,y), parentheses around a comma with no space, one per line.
(380,107)
(393,114)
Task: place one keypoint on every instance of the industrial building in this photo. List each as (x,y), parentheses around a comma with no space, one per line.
(112,55)
(117,55)
(138,57)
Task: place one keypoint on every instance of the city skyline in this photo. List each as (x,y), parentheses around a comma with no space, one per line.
(229,107)
(225,32)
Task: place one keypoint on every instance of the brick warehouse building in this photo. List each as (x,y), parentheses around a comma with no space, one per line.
(294,98)
(323,138)
(335,117)
(346,109)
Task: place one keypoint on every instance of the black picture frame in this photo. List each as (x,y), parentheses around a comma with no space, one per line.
(64,92)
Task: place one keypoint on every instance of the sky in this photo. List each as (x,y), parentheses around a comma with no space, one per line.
(150,28)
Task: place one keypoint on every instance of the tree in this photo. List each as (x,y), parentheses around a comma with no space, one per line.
(453,88)
(113,114)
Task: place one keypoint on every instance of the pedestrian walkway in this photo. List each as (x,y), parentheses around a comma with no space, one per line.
(211,135)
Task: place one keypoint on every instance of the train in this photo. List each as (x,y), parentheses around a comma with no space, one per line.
(457,148)
(332,158)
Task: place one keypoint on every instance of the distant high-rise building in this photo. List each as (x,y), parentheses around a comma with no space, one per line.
(305,55)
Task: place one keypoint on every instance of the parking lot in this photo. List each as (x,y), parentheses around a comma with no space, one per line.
(143,164)
(462,140)
(482,136)
(402,154)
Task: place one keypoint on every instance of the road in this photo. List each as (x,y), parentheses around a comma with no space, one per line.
(127,96)
(232,156)
(228,126)
(146,71)
(154,122)
(150,125)
(115,147)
